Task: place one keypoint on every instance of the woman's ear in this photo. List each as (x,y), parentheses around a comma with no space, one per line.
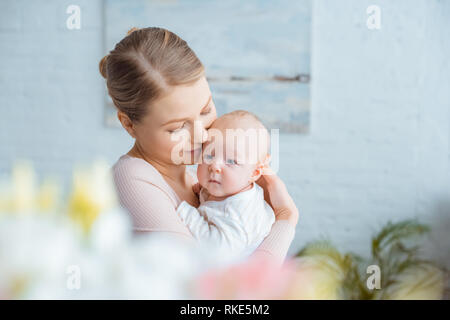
(127,124)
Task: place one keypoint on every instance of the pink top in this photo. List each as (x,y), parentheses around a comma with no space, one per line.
(152,205)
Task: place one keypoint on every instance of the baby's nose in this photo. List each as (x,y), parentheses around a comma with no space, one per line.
(215,168)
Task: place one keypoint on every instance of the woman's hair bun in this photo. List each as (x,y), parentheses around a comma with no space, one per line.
(102,66)
(132,30)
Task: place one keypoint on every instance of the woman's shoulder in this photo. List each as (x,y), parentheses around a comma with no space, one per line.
(132,174)
(128,167)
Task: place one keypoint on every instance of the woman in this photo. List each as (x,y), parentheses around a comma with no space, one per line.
(160,90)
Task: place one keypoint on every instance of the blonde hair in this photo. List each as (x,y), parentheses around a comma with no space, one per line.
(244,114)
(255,123)
(144,65)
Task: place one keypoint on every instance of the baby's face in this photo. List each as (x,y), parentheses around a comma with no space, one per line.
(227,164)
(224,174)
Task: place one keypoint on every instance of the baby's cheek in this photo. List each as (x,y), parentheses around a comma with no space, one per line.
(239,179)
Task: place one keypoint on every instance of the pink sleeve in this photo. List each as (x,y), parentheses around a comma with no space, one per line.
(151,207)
(276,244)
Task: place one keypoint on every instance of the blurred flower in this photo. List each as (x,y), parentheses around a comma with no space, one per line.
(34,254)
(92,193)
(325,273)
(19,195)
(38,251)
(22,195)
(256,278)
(320,272)
(47,199)
(421,282)
(23,188)
(405,274)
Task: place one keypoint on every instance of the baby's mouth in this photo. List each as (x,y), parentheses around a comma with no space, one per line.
(213,181)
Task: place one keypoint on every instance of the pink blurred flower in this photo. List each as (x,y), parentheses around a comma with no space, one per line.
(256,278)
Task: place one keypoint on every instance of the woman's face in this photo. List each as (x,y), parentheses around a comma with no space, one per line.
(175,127)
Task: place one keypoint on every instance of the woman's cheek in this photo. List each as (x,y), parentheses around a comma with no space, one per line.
(173,148)
(178,142)
(210,119)
(180,138)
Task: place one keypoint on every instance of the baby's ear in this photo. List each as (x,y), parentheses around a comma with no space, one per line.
(257,172)
(267,160)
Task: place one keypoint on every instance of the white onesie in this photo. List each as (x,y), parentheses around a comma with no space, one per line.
(235,225)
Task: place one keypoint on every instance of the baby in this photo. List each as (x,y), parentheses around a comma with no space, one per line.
(232,215)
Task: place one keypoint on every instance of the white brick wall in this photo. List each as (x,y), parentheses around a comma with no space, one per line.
(380,123)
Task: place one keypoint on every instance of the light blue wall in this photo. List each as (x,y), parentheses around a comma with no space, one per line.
(378,147)
(51,91)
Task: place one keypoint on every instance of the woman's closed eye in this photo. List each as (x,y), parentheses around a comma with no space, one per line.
(231,162)
(206,112)
(177,129)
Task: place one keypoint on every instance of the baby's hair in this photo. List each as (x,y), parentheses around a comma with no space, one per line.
(243,114)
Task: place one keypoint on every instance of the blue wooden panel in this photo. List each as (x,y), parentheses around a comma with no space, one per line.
(248,48)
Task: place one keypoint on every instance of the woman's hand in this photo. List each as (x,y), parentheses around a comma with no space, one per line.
(276,194)
(196,188)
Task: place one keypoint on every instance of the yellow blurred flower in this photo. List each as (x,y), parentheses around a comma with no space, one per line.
(320,272)
(23,188)
(316,278)
(92,194)
(47,196)
(20,195)
(421,282)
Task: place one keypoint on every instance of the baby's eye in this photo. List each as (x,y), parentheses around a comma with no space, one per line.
(231,161)
(208,157)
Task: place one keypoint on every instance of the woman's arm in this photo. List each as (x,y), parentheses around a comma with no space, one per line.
(276,244)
